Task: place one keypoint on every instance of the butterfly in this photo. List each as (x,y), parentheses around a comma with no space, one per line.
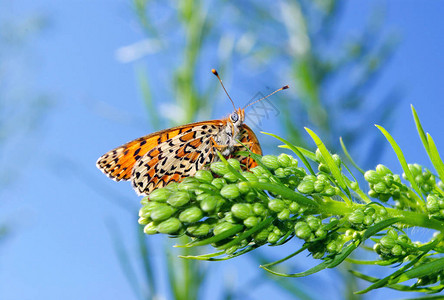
(170,155)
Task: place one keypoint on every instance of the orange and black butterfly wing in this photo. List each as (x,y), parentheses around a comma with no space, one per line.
(176,158)
(249,139)
(118,163)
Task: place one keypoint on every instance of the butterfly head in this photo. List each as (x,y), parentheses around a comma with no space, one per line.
(237,117)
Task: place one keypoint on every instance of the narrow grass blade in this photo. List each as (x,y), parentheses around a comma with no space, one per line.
(403,162)
(421,132)
(349,156)
(435,157)
(330,162)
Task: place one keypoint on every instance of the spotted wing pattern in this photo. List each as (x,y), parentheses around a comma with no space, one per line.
(249,139)
(176,158)
(118,163)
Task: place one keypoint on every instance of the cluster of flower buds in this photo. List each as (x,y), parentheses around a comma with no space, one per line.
(221,203)
(394,246)
(363,217)
(423,178)
(384,184)
(435,205)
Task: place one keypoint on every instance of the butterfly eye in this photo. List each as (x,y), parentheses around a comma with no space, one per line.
(234,117)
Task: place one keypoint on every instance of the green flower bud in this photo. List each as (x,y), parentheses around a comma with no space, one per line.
(377,248)
(373,194)
(306,187)
(354,186)
(330,191)
(244,187)
(222,227)
(368,220)
(259,209)
(392,233)
(162,212)
(313,222)
(441,203)
(204,176)
(251,221)
(230,191)
(294,207)
(280,173)
(302,230)
(284,214)
(159,195)
(387,242)
(179,199)
(143,221)
(310,178)
(170,226)
(231,177)
(319,156)
(273,237)
(150,228)
(173,186)
(404,239)
(270,161)
(188,186)
(323,168)
(383,170)
(145,200)
(219,182)
(337,159)
(219,168)
(369,211)
(319,185)
(396,250)
(380,188)
(261,236)
(209,204)
(276,205)
(259,171)
(356,217)
(285,160)
(332,247)
(241,210)
(234,163)
(321,233)
(199,229)
(432,203)
(249,176)
(372,177)
(191,215)
(251,197)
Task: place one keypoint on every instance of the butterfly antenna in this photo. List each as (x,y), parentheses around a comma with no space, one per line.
(220,80)
(278,90)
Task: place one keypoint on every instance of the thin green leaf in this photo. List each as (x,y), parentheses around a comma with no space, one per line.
(294,149)
(311,271)
(421,132)
(378,227)
(330,163)
(403,288)
(349,156)
(435,157)
(228,233)
(403,162)
(341,256)
(305,246)
(429,268)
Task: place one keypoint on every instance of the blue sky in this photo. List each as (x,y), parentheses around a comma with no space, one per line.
(61,245)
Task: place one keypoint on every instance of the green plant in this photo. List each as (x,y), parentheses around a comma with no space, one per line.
(238,211)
